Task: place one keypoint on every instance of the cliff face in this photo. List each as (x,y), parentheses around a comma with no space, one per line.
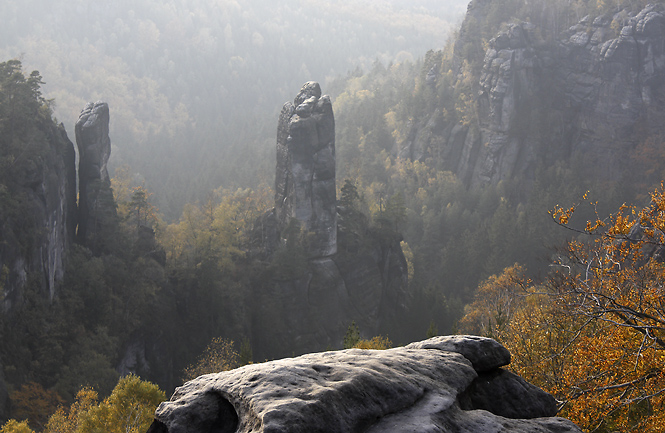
(40,220)
(587,94)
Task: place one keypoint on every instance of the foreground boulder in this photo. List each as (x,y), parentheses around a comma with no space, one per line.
(443,384)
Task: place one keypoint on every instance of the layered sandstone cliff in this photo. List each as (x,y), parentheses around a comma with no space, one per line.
(589,93)
(40,220)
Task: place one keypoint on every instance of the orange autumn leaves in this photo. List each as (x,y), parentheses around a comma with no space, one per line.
(593,334)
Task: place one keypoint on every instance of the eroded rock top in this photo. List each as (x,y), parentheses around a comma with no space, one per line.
(305,173)
(430,386)
(92,139)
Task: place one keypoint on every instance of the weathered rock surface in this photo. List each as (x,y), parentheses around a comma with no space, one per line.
(422,388)
(96,205)
(305,175)
(485,354)
(589,94)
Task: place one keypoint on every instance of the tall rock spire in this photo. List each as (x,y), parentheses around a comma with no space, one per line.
(96,206)
(305,176)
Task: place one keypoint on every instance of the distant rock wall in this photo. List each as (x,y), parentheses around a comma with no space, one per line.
(305,174)
(590,93)
(443,384)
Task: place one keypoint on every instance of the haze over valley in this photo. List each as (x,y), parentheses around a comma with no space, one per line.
(191,186)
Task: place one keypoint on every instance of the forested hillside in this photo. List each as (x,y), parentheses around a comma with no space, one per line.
(461,156)
(427,131)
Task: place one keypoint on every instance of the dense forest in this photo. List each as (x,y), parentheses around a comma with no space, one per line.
(551,249)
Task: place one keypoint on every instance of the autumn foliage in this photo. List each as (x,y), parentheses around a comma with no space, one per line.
(34,403)
(129,409)
(219,355)
(593,334)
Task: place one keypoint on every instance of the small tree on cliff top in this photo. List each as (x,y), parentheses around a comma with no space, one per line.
(219,355)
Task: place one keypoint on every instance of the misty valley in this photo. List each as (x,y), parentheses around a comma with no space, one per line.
(333,216)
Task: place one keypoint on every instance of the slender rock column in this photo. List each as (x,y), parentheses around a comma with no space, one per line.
(96,206)
(305,175)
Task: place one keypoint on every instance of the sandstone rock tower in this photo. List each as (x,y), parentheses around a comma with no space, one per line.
(305,175)
(96,207)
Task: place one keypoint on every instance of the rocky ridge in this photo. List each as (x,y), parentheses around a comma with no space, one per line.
(453,383)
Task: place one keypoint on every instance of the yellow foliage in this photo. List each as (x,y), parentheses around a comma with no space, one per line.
(377,343)
(220,355)
(63,421)
(493,306)
(129,409)
(395,126)
(13,426)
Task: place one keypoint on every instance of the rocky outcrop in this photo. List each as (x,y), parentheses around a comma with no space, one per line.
(440,385)
(312,294)
(305,175)
(38,223)
(590,93)
(96,205)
